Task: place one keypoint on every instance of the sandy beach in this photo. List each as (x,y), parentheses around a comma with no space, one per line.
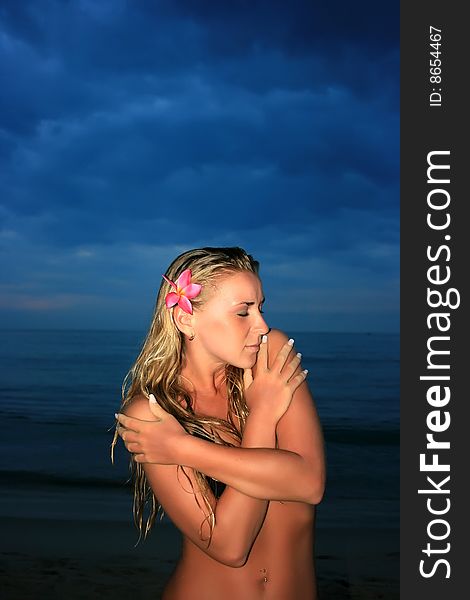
(56,560)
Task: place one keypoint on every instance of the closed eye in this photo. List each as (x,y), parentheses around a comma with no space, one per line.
(246,314)
(248,304)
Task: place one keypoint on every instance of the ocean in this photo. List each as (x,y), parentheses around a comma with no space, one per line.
(59,391)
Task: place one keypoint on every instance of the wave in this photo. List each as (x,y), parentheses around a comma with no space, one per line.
(37,479)
(371,436)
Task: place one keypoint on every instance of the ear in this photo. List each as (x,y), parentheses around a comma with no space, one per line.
(183,321)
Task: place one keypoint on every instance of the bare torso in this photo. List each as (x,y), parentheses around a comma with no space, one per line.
(279,567)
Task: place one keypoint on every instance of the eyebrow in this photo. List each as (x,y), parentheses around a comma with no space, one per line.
(250,303)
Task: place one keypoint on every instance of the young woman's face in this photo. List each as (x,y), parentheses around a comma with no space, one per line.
(229,325)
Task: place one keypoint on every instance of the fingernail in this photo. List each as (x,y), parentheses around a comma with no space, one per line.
(299,355)
(115,415)
(291,342)
(152,399)
(264,339)
(305,371)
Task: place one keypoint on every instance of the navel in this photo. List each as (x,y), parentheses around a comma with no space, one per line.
(264,575)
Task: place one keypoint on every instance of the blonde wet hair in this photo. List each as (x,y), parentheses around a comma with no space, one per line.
(157,371)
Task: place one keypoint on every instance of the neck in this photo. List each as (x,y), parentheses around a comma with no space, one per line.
(204,375)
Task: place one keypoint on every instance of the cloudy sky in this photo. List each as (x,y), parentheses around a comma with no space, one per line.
(131,131)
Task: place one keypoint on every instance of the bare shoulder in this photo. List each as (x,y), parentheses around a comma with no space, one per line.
(277,338)
(299,429)
(139,408)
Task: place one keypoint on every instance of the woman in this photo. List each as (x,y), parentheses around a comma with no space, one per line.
(224,433)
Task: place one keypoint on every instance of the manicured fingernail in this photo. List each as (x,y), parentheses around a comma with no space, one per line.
(152,399)
(115,415)
(299,355)
(305,371)
(264,339)
(291,342)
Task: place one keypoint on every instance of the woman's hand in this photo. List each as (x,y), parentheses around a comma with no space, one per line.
(270,391)
(152,441)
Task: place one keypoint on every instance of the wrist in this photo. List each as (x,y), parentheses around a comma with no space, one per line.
(263,416)
(260,430)
(182,450)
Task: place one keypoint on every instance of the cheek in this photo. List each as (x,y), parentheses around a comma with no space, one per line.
(225,329)
(216,335)
(217,332)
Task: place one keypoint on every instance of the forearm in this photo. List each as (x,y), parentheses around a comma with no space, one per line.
(261,472)
(238,517)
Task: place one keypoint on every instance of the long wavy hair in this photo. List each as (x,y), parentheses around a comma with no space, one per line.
(157,371)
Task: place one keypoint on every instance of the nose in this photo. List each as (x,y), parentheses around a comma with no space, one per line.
(261,326)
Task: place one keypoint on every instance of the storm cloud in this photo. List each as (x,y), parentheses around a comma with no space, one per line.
(132,131)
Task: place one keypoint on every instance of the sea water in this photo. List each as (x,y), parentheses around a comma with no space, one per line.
(59,391)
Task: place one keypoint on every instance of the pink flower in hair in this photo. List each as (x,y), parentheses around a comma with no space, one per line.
(184,290)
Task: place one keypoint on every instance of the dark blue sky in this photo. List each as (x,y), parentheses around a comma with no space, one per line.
(132,131)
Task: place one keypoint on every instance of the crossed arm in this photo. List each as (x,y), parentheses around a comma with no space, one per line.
(255,473)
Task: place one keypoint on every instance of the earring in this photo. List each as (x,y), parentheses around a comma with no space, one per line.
(191,337)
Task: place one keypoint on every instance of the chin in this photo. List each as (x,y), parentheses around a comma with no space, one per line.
(244,362)
(251,362)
